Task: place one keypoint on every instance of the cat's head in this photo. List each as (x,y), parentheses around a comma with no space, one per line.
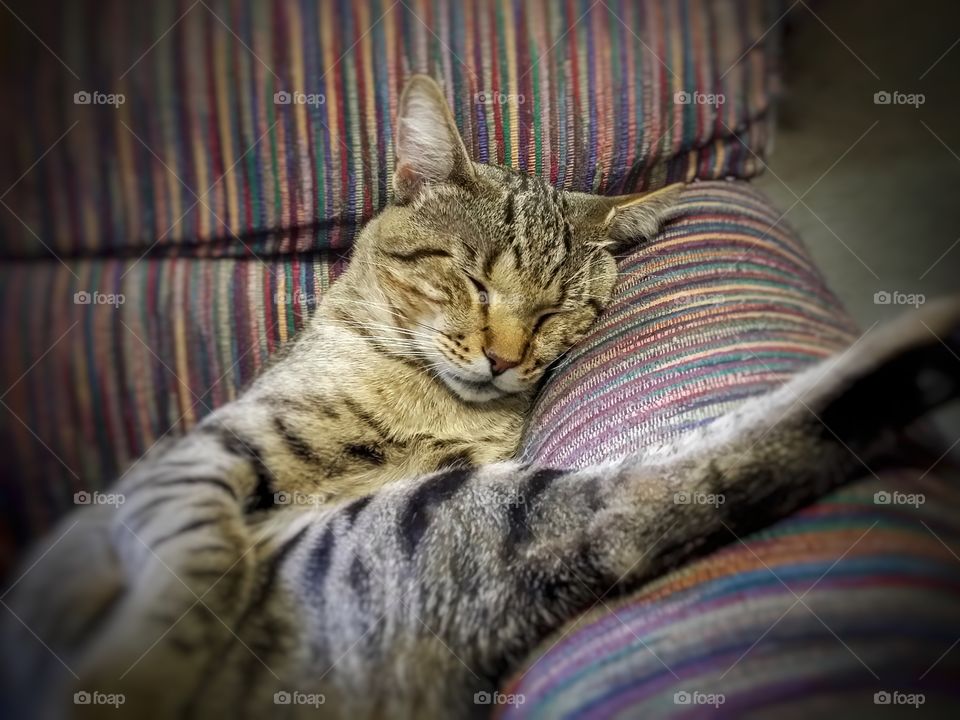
(484,274)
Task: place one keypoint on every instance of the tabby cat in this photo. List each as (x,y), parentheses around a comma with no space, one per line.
(405,589)
(425,354)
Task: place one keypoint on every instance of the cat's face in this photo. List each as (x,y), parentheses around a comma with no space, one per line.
(490,275)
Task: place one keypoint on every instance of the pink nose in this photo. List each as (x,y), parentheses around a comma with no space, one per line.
(497,364)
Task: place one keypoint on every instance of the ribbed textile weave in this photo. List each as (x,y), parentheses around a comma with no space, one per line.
(90,387)
(725,304)
(810,618)
(255,126)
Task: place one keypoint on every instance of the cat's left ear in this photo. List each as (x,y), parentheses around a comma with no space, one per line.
(429,146)
(626,218)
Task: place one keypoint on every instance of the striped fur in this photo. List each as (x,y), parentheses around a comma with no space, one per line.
(882,594)
(408,603)
(427,352)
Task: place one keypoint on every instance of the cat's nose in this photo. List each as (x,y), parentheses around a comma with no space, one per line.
(498,364)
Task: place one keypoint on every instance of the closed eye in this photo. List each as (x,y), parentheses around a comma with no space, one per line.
(481,288)
(482,292)
(542,319)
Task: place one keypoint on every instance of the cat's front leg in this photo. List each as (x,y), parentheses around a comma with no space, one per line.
(134,598)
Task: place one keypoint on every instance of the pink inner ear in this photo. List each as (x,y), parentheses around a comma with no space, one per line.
(407,173)
(407,180)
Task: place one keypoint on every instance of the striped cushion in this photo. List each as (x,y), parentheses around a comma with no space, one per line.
(93,386)
(809,618)
(200,158)
(723,306)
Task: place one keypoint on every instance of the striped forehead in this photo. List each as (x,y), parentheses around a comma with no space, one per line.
(530,230)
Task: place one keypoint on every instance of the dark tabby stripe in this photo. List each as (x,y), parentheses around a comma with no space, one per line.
(253,609)
(212,481)
(205,573)
(319,562)
(295,443)
(595,305)
(355,508)
(518,513)
(308,405)
(458,459)
(212,547)
(415,516)
(133,519)
(517,260)
(508,213)
(417,255)
(359,577)
(368,453)
(489,262)
(262,497)
(186,528)
(366,418)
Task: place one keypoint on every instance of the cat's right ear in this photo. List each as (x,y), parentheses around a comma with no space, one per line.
(429,147)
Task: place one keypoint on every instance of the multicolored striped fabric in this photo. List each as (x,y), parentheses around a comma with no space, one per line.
(104,357)
(724,305)
(813,617)
(231,127)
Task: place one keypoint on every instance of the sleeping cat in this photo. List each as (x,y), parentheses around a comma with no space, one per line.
(425,354)
(405,589)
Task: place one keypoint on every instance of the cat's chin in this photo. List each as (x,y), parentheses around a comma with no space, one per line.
(471,390)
